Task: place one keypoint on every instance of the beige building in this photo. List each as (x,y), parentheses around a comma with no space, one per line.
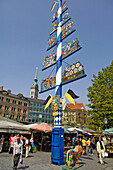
(74,115)
(13,106)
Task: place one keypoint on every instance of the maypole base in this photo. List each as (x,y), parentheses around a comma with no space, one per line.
(73,168)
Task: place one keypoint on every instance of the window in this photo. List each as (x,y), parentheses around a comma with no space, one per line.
(6,107)
(14,101)
(19,110)
(0,106)
(13,109)
(1,98)
(7,100)
(24,111)
(20,103)
(30,109)
(31,104)
(38,104)
(25,104)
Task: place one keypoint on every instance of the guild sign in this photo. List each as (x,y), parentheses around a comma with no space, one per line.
(55,103)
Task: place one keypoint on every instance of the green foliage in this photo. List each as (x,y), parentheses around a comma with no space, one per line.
(101,98)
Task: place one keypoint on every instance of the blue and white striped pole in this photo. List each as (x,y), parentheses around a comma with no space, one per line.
(57,146)
(58,90)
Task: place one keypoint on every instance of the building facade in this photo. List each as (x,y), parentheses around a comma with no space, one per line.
(74,115)
(15,107)
(37,113)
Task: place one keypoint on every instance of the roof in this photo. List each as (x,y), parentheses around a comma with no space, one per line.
(35,100)
(9,120)
(4,92)
(77,106)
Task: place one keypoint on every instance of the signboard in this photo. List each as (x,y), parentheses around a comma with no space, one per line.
(55,113)
(67,50)
(49,60)
(70,48)
(66,31)
(48,83)
(65,18)
(72,72)
(56,13)
(55,103)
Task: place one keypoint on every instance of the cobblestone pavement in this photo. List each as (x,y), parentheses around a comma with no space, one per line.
(42,161)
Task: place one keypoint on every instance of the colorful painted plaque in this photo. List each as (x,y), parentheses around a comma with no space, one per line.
(66,31)
(70,48)
(72,72)
(67,50)
(49,60)
(48,83)
(55,113)
(56,13)
(55,103)
(65,18)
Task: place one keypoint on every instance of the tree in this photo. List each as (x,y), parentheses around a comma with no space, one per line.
(101,98)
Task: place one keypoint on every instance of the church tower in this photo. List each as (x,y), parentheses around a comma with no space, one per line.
(34,89)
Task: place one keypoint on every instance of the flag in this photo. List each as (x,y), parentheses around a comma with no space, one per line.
(53,6)
(63,3)
(47,101)
(70,95)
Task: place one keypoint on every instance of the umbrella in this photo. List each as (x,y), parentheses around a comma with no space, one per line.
(76,129)
(88,133)
(42,127)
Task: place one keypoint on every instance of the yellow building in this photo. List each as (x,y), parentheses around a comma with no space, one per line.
(13,106)
(74,114)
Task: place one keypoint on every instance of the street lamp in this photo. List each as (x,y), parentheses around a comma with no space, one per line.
(83,117)
(105,121)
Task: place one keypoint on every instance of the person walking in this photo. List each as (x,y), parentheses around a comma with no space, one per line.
(11,144)
(89,145)
(32,144)
(17,152)
(27,145)
(1,143)
(84,143)
(101,150)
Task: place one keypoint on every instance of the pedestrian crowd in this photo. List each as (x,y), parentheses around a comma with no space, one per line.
(91,143)
(19,145)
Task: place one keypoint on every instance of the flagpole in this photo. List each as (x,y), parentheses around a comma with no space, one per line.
(57,149)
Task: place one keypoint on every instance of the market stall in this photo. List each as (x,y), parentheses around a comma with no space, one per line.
(109,147)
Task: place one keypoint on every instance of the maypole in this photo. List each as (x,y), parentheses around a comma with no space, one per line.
(58,89)
(73,72)
(57,149)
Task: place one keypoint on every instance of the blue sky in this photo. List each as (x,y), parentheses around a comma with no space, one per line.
(24,31)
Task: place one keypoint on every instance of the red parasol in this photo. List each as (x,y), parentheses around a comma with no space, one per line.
(42,127)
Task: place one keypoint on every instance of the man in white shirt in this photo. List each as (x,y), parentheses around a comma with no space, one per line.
(17,152)
(101,150)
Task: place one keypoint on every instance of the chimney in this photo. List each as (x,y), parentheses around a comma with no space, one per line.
(8,91)
(1,88)
(20,95)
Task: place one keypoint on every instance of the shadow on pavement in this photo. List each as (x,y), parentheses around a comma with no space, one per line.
(86,158)
(80,162)
(23,167)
